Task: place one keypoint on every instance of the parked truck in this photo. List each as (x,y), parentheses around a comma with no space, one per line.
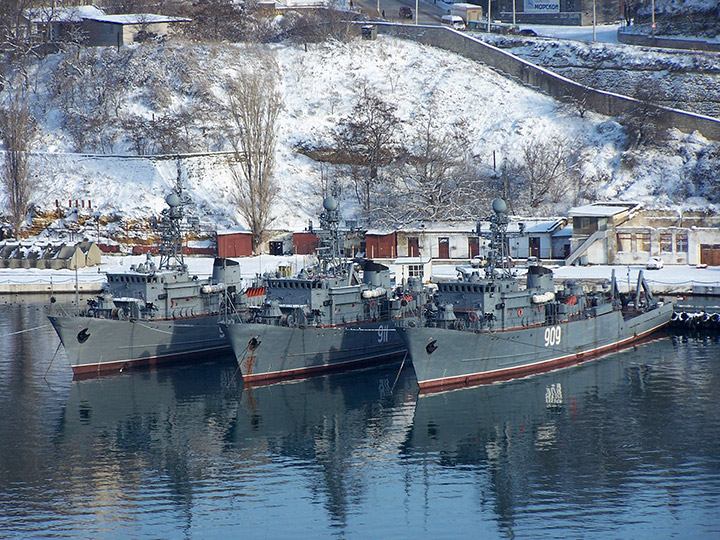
(467,12)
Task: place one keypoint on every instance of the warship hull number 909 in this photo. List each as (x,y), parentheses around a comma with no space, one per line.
(553,335)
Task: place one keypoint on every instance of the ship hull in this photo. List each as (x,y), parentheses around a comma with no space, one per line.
(95,345)
(281,353)
(445,359)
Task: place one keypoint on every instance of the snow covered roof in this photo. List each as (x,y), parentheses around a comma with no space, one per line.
(601,209)
(137,18)
(466,6)
(412,260)
(565,231)
(69,14)
(545,226)
(232,230)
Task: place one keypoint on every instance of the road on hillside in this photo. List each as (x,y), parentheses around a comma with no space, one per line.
(429,13)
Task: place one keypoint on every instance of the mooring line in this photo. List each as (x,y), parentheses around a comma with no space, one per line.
(23,331)
(237,368)
(399,372)
(51,362)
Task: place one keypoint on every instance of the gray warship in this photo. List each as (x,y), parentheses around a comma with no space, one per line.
(336,315)
(151,314)
(483,329)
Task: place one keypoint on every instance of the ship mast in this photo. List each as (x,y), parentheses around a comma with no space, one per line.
(171,254)
(330,241)
(498,261)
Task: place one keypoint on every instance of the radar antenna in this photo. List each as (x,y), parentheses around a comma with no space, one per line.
(330,241)
(498,260)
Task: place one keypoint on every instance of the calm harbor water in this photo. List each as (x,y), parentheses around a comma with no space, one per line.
(626,446)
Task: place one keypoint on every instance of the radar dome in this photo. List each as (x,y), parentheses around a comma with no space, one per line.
(330,204)
(499,206)
(173,200)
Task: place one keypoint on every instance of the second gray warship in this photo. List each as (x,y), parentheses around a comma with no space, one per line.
(337,315)
(479,330)
(151,314)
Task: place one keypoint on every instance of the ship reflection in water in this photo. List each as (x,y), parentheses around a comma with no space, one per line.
(625,446)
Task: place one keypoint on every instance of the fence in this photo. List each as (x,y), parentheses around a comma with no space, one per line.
(555,85)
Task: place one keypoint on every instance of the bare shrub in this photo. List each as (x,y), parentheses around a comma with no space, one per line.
(368,140)
(253,108)
(17,129)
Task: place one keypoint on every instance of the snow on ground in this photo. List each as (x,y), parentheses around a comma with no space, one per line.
(670,279)
(319,86)
(604,33)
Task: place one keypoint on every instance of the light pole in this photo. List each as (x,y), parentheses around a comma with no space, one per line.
(653,18)
(513,3)
(417,11)
(488,15)
(594,36)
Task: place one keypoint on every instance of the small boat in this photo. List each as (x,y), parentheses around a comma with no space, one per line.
(151,314)
(333,316)
(480,329)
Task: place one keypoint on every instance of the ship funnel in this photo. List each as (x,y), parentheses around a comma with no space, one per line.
(376,275)
(226,271)
(539,277)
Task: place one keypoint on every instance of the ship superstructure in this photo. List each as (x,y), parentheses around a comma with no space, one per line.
(483,328)
(337,314)
(151,313)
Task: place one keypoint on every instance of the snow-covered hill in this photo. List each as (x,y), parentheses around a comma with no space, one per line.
(319,85)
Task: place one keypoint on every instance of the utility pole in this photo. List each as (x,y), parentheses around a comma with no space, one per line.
(594,35)
(653,18)
(488,16)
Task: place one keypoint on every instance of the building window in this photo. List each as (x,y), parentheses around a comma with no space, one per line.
(643,241)
(624,242)
(666,243)
(681,243)
(415,270)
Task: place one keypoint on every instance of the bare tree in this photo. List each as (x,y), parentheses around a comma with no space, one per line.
(17,130)
(432,176)
(367,138)
(646,124)
(253,108)
(547,170)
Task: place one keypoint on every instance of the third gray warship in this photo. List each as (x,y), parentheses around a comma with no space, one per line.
(487,329)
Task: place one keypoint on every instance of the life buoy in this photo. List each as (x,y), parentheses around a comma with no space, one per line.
(519,312)
(472,317)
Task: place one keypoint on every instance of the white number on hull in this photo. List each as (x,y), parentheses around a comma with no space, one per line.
(553,335)
(383,334)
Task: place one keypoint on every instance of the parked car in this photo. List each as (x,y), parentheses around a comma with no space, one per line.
(654,263)
(405,12)
(533,261)
(478,261)
(527,32)
(454,21)
(506,261)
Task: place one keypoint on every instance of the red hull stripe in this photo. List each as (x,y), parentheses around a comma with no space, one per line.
(451,383)
(118,365)
(303,373)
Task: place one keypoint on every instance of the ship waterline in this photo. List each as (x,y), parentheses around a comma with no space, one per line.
(267,353)
(95,345)
(445,358)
